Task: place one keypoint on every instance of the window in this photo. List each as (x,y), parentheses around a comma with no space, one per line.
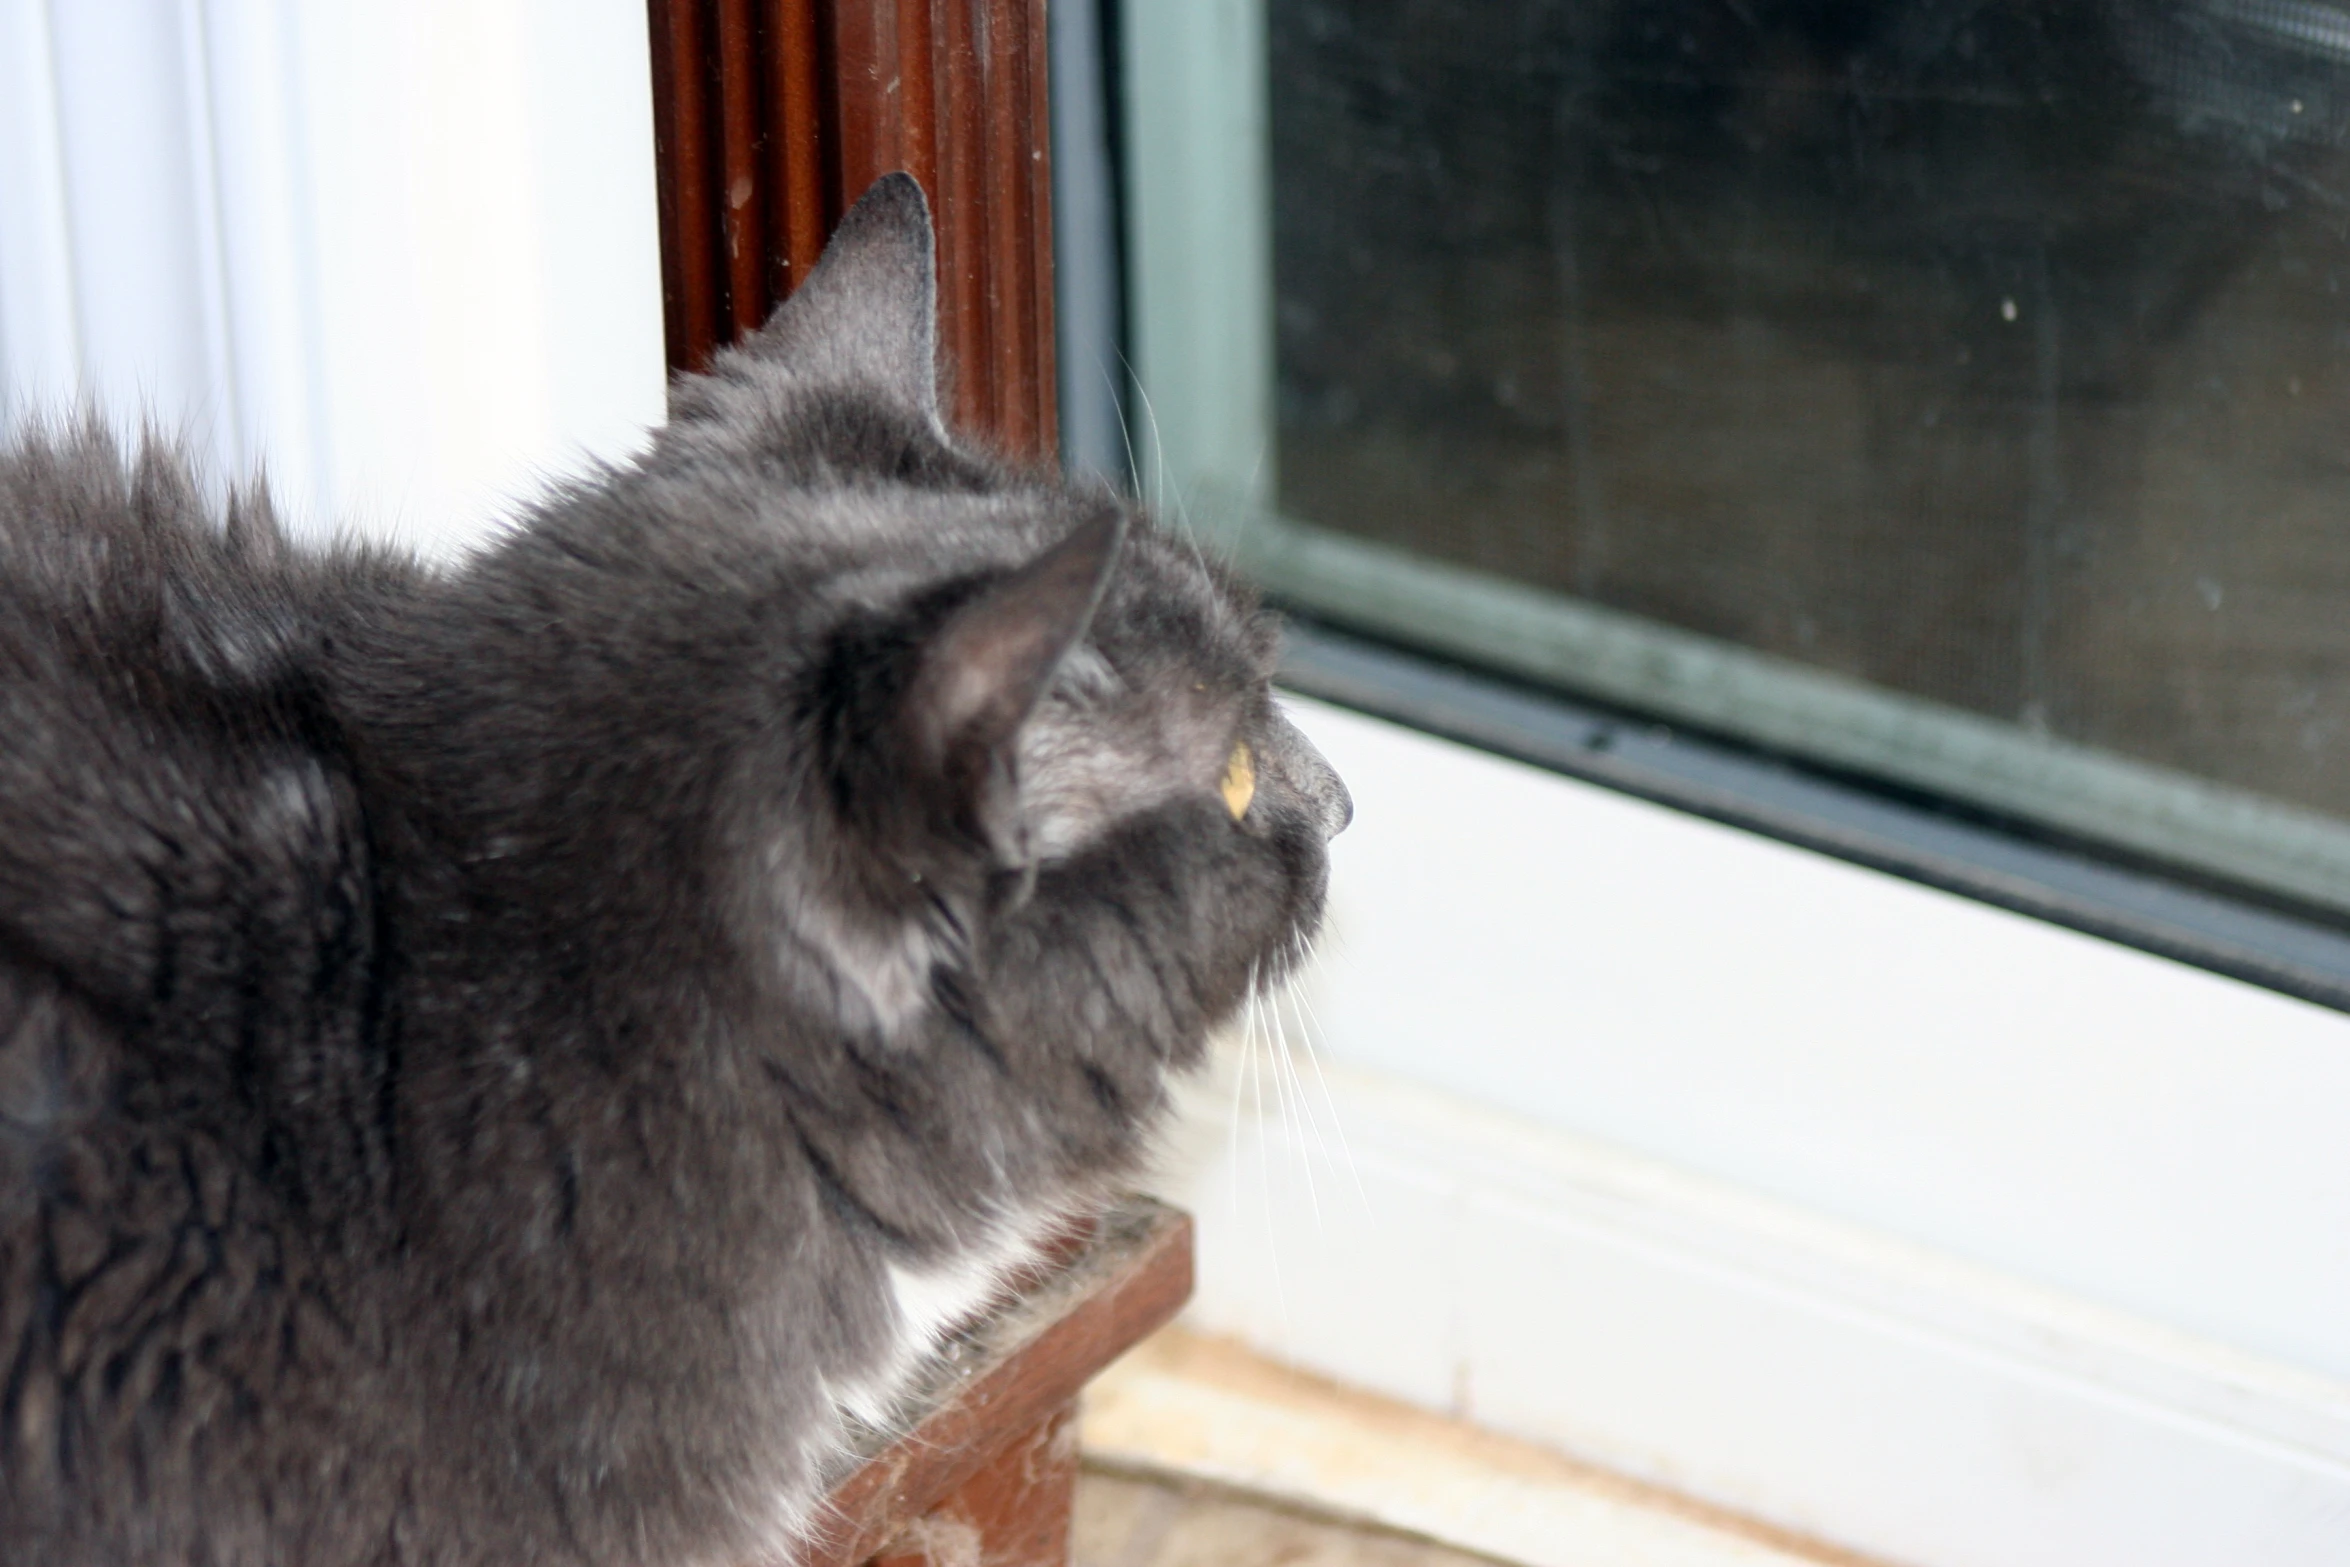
(1949,398)
(1595,370)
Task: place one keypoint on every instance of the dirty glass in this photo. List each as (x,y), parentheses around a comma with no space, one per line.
(1992,354)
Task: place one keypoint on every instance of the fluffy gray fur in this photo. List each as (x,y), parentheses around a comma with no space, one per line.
(495,1060)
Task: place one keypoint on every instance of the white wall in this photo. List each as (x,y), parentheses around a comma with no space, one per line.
(403,253)
(2126,1128)
(1925,1227)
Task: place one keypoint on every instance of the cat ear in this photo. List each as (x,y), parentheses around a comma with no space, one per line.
(984,671)
(868,312)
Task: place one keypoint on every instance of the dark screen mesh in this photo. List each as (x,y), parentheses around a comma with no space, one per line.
(1994,353)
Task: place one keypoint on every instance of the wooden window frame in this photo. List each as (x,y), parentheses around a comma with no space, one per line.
(772,116)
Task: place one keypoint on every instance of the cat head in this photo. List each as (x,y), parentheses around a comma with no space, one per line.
(1015,706)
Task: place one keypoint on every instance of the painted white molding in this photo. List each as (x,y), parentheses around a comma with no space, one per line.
(1808,1372)
(402,254)
(2108,1124)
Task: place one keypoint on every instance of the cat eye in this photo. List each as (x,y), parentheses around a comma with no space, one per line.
(1239,784)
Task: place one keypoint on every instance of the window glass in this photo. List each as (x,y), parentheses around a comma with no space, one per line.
(1951,391)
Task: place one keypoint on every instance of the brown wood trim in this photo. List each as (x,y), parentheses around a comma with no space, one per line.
(742,205)
(1015,1512)
(1011,1377)
(796,172)
(680,136)
(771,116)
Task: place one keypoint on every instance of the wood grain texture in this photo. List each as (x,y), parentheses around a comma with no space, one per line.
(681,135)
(772,116)
(1017,1511)
(1149,1520)
(1000,1405)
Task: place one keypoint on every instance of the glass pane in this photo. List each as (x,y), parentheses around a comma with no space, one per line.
(1994,354)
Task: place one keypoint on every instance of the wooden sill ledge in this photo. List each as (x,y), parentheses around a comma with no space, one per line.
(986,1467)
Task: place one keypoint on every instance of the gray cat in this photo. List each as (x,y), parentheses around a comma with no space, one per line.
(497,1063)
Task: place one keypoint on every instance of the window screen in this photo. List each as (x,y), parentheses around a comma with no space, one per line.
(1952,391)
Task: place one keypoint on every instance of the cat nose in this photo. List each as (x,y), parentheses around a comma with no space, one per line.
(1314,779)
(1338,806)
(1327,792)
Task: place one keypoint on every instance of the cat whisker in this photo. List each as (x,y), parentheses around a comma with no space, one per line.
(1264,1158)
(1276,1050)
(1298,1112)
(1154,489)
(1311,1122)
(1161,495)
(1154,486)
(1256,469)
(1125,424)
(1309,1026)
(1239,1070)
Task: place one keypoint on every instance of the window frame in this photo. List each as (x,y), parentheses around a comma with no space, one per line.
(772,116)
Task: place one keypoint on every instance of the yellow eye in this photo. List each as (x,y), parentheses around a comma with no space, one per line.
(1239,785)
